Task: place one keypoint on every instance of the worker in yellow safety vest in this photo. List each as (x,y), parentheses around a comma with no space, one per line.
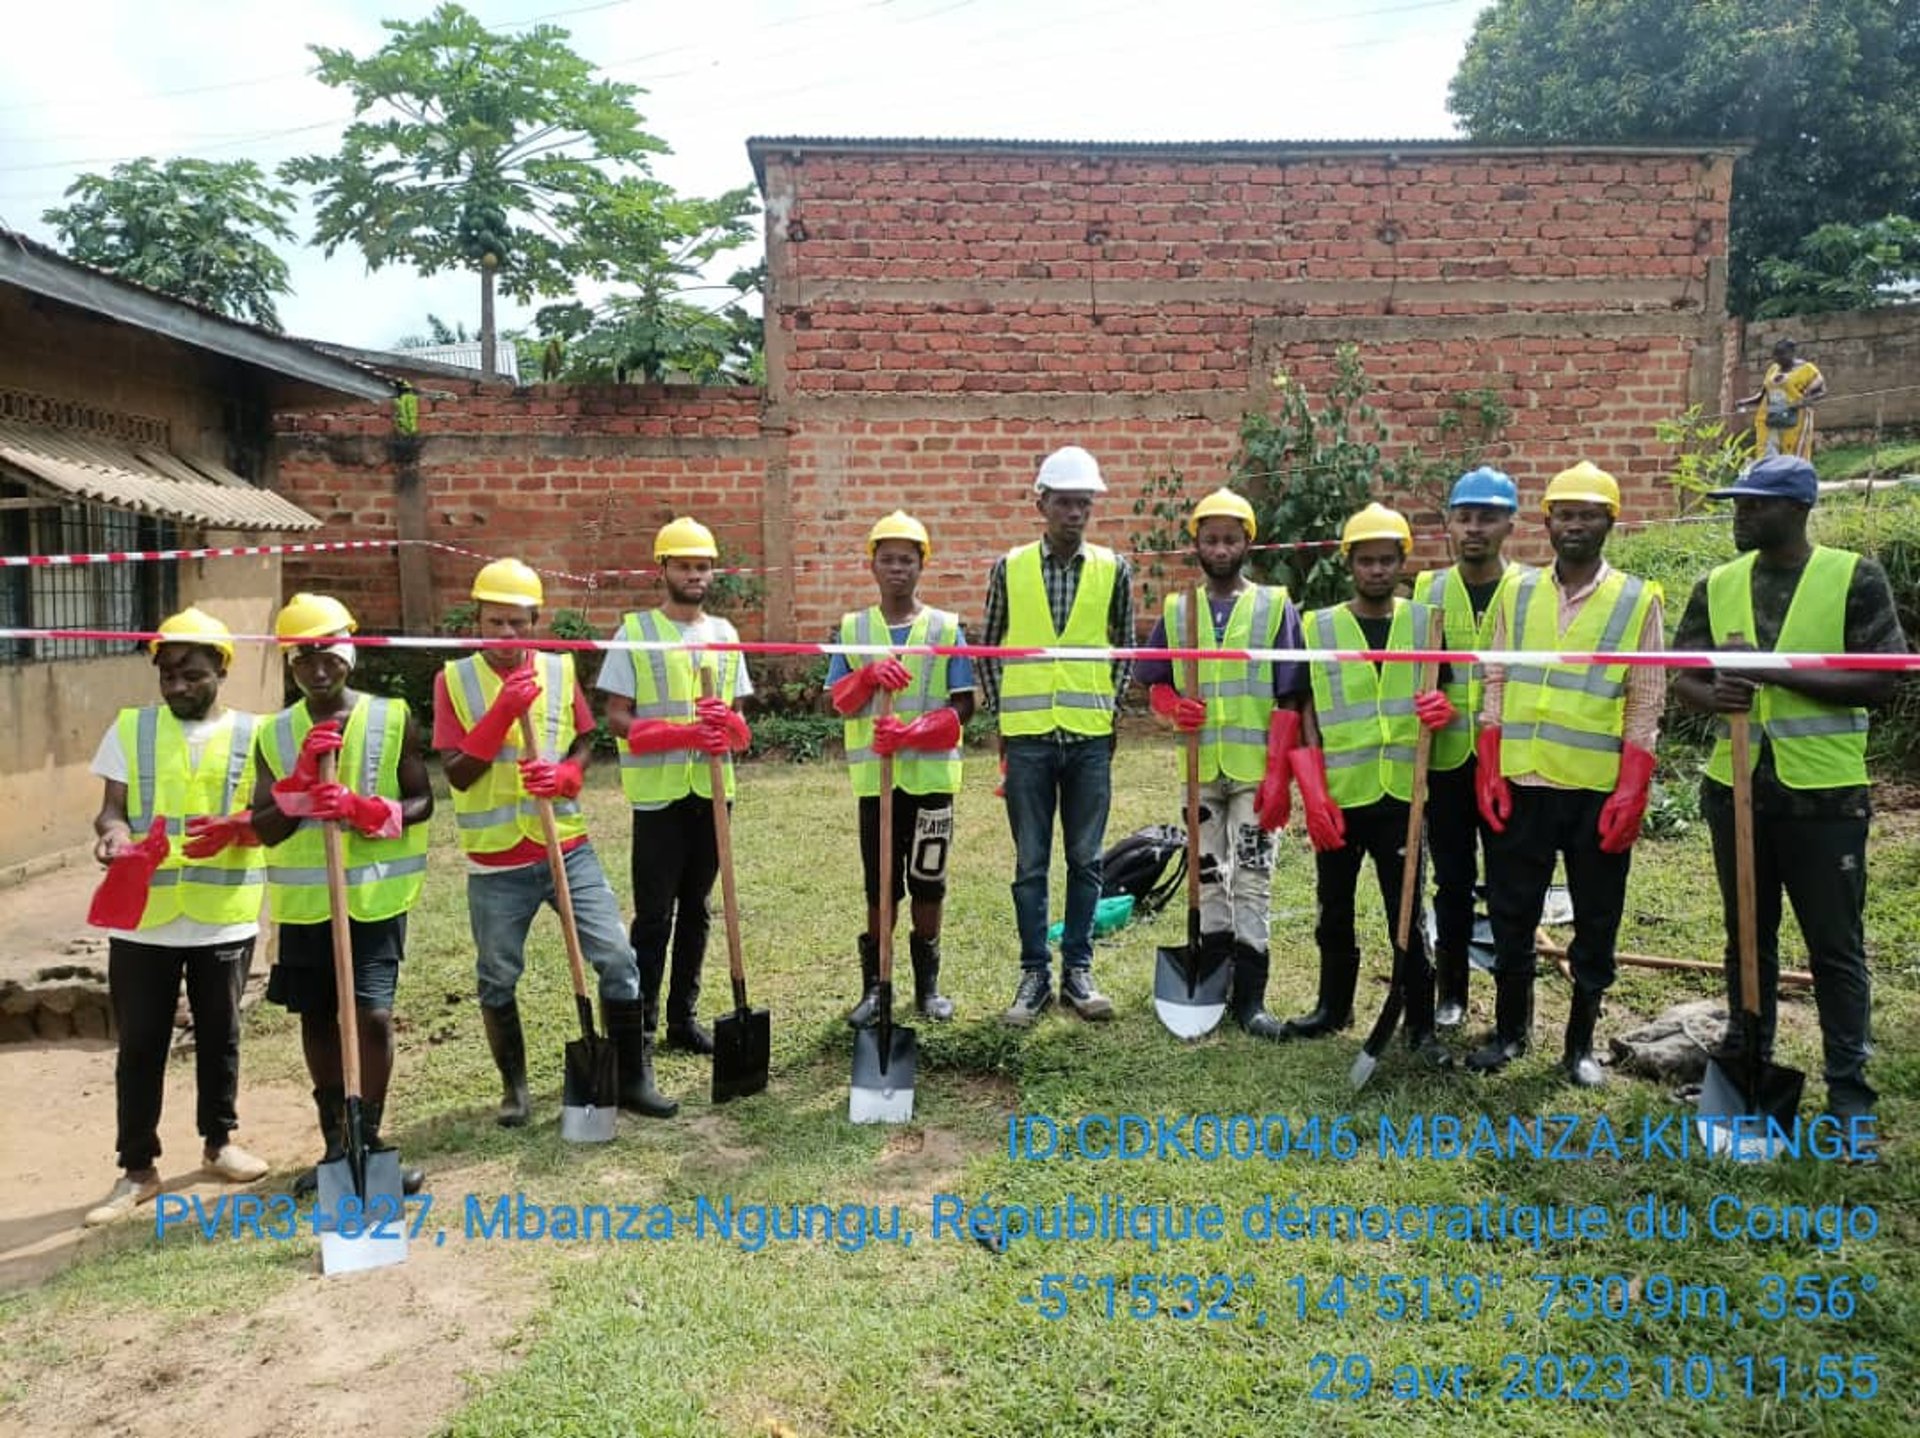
(1565,763)
(382,799)
(932,699)
(478,704)
(180,774)
(1355,771)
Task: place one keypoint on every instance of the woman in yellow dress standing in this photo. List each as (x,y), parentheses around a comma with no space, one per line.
(1783,421)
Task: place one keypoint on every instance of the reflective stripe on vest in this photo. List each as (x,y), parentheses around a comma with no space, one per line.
(1453,745)
(1561,721)
(1038,696)
(1238,692)
(914,771)
(1815,745)
(383,875)
(162,779)
(495,813)
(1367,724)
(665,687)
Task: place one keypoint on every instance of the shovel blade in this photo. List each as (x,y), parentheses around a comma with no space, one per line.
(1362,1070)
(372,1214)
(882,1090)
(742,1046)
(1735,1107)
(1190,991)
(590,1093)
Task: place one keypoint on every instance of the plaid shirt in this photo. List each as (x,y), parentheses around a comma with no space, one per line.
(1063,583)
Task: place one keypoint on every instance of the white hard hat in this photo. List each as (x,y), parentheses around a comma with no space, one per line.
(1071,470)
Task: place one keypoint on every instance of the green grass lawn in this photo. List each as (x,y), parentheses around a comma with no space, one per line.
(699,1337)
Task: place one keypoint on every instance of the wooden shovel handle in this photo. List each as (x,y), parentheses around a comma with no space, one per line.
(1424,678)
(1740,733)
(557,866)
(723,849)
(339,919)
(1192,626)
(886,850)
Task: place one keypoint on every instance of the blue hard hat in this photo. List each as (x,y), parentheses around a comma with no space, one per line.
(1485,485)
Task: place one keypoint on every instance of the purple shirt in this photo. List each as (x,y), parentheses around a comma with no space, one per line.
(1289,678)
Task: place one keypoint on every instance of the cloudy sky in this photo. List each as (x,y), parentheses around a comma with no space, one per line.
(86,83)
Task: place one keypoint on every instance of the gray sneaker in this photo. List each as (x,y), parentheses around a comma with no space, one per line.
(1078,993)
(1032,999)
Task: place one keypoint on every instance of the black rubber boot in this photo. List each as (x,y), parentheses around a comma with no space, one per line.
(412,1180)
(928,1001)
(1419,1014)
(684,1030)
(633,1046)
(1334,1011)
(1512,1025)
(330,1104)
(1578,1060)
(509,1047)
(863,1014)
(1452,1009)
(1250,991)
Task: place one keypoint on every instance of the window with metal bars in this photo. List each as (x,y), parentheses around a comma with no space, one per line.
(78,596)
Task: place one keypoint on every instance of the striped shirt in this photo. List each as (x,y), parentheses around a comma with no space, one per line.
(1062,579)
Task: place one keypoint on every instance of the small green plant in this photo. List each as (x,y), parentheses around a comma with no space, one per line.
(733,592)
(1163,503)
(1708,457)
(463,619)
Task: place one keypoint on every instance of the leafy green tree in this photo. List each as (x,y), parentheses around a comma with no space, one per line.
(499,154)
(1845,267)
(195,229)
(1823,89)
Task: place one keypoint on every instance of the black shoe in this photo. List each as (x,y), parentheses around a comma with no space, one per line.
(633,1051)
(928,1001)
(1078,993)
(689,1036)
(1512,1026)
(1250,994)
(1032,999)
(1430,1052)
(509,1046)
(1317,1024)
(1578,1062)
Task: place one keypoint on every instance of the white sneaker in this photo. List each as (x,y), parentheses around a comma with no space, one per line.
(235,1164)
(127,1195)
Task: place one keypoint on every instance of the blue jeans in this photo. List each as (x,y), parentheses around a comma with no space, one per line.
(501,907)
(1078,778)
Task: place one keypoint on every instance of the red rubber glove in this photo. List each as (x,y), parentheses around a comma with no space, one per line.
(1273,800)
(518,690)
(853,689)
(371,815)
(933,732)
(208,834)
(1188,715)
(1326,825)
(1620,816)
(723,729)
(662,736)
(1433,709)
(122,896)
(545,779)
(1490,787)
(322,738)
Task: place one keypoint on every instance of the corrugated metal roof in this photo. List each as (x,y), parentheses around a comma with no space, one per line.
(142,478)
(465,354)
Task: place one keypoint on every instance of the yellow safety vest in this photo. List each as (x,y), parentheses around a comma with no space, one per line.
(1564,721)
(1453,745)
(1367,724)
(161,779)
(665,687)
(914,771)
(383,875)
(1238,693)
(1038,696)
(495,813)
(1815,745)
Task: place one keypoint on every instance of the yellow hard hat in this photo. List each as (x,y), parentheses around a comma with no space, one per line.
(1585,483)
(1376,521)
(195,626)
(508,581)
(685,539)
(899,525)
(1225,504)
(312,616)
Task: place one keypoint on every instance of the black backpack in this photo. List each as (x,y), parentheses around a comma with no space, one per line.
(1150,864)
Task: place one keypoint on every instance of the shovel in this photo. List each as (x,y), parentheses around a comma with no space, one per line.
(743,1039)
(884,1056)
(590,1086)
(1190,987)
(359,1192)
(1389,1020)
(1762,1090)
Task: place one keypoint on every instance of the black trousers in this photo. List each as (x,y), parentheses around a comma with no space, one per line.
(673,866)
(1376,831)
(143,982)
(1548,824)
(1455,836)
(1822,866)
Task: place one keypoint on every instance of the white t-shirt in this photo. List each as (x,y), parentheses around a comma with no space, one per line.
(616,672)
(110,762)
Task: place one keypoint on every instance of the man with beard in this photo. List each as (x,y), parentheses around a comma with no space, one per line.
(1565,762)
(933,699)
(478,702)
(187,762)
(1810,795)
(654,706)
(1480,513)
(1248,717)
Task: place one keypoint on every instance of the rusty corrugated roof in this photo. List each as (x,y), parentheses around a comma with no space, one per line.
(139,477)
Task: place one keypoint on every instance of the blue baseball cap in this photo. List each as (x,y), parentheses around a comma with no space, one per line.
(1779,476)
